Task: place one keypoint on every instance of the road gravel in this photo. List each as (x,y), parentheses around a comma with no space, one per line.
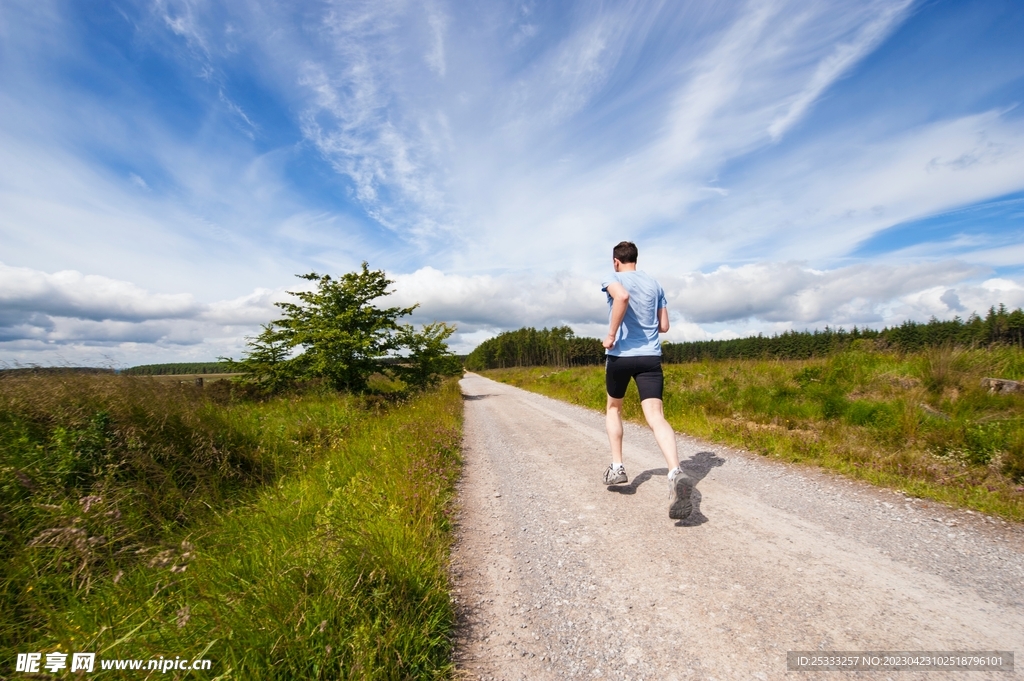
(558,576)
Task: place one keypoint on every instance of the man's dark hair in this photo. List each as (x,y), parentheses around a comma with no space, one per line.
(625,252)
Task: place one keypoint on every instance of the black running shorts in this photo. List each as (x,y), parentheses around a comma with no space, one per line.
(646,371)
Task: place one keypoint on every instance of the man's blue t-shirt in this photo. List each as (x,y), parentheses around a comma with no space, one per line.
(638,333)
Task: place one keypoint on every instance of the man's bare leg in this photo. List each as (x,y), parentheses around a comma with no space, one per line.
(613,423)
(654,412)
(680,485)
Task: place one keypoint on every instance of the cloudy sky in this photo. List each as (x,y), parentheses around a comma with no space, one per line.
(168,166)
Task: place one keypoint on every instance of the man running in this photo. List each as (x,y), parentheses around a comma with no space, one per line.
(637,313)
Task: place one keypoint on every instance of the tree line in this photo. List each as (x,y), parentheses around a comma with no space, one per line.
(560,347)
(174,369)
(529,347)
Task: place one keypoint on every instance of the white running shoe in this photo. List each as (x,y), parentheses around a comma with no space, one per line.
(680,489)
(615,475)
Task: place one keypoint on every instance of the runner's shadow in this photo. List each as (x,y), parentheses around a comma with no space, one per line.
(637,481)
(700,464)
(697,467)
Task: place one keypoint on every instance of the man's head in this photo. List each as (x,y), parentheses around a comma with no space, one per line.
(625,252)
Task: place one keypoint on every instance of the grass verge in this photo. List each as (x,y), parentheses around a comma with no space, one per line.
(301,537)
(922,423)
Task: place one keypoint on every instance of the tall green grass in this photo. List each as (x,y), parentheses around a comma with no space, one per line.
(918,422)
(299,537)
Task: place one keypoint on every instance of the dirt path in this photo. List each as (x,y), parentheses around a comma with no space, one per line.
(558,576)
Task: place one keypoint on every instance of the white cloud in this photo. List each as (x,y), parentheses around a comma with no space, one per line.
(504,301)
(180,17)
(527,156)
(70,315)
(256,308)
(763,297)
(207,224)
(578,68)
(97,298)
(843,57)
(862,184)
(357,112)
(777,292)
(435,56)
(613,129)
(576,188)
(930,170)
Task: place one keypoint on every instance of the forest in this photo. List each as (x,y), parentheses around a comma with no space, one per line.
(562,348)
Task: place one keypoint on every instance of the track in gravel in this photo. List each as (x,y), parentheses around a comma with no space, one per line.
(558,576)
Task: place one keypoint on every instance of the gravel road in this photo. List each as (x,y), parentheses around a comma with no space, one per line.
(557,575)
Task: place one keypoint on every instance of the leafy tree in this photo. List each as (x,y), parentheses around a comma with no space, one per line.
(429,357)
(335,333)
(266,360)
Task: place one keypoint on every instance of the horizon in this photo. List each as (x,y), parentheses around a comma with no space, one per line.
(974,316)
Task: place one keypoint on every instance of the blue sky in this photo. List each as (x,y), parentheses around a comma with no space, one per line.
(167,167)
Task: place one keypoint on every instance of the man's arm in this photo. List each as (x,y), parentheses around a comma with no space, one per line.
(620,302)
(663,319)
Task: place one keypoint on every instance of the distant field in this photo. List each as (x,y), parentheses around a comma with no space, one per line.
(191,378)
(919,422)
